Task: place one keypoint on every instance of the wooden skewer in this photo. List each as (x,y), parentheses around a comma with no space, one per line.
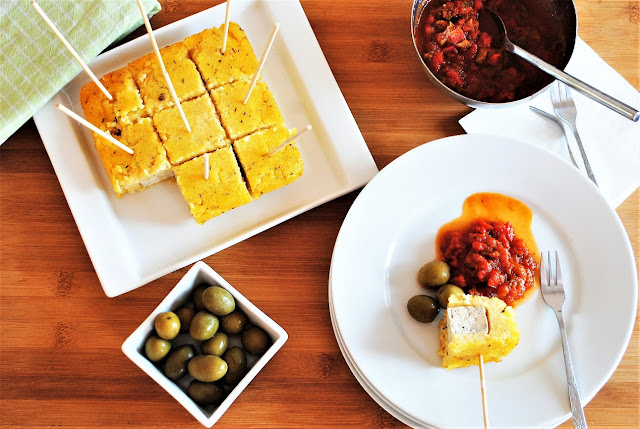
(289,140)
(485,412)
(226,27)
(206,166)
(262,60)
(95,129)
(162,68)
(70,49)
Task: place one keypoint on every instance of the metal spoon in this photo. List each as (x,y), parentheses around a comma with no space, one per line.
(492,24)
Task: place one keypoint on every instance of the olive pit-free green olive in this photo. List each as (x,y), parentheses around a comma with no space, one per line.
(236,360)
(446,291)
(255,340)
(423,308)
(167,325)
(216,345)
(218,301)
(434,274)
(156,348)
(196,296)
(234,322)
(185,314)
(207,368)
(203,326)
(176,365)
(206,393)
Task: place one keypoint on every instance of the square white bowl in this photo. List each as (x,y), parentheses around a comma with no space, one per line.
(199,273)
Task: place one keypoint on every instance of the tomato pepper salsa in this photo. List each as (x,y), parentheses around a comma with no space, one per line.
(487,259)
(464,58)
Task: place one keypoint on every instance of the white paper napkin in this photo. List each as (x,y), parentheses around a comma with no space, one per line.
(612,143)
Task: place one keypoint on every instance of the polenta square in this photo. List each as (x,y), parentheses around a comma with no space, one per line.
(222,191)
(217,68)
(182,71)
(125,107)
(239,119)
(206,132)
(463,336)
(266,173)
(148,164)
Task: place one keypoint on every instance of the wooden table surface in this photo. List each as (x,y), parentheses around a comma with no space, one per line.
(60,336)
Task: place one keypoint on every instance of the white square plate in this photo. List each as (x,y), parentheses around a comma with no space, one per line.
(143,236)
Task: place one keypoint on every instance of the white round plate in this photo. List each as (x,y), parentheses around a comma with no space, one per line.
(389,233)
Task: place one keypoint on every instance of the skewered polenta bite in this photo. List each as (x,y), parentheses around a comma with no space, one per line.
(239,119)
(206,132)
(217,68)
(148,164)
(125,107)
(222,191)
(153,87)
(266,173)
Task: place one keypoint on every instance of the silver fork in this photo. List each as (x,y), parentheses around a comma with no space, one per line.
(566,110)
(562,126)
(553,294)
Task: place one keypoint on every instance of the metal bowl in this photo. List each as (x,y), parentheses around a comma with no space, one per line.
(563,11)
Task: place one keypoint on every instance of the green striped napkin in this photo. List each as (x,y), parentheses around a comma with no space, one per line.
(34,64)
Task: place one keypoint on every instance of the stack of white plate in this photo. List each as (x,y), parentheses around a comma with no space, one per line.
(389,233)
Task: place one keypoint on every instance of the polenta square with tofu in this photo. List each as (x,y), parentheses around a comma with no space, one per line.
(217,68)
(222,191)
(153,87)
(476,325)
(125,107)
(147,165)
(266,173)
(206,132)
(239,119)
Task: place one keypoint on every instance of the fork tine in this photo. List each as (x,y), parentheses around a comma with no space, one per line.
(543,271)
(558,273)
(552,280)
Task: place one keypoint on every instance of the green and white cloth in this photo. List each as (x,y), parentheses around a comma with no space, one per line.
(34,64)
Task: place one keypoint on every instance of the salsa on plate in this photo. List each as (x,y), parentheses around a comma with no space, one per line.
(468,61)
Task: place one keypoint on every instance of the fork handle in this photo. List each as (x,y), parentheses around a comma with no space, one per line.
(585,160)
(579,420)
(584,88)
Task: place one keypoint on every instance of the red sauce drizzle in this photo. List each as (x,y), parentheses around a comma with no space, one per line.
(489,248)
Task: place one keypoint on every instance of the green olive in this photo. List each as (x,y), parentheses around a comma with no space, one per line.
(234,322)
(218,301)
(255,340)
(236,360)
(185,314)
(216,345)
(434,274)
(167,325)
(423,308)
(176,365)
(445,292)
(156,348)
(203,326)
(196,296)
(207,368)
(206,393)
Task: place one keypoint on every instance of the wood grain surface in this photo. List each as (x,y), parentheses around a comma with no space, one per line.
(60,336)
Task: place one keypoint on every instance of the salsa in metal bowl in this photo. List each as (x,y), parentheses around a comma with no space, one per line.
(467,60)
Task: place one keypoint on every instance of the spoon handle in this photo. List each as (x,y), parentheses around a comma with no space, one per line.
(584,88)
